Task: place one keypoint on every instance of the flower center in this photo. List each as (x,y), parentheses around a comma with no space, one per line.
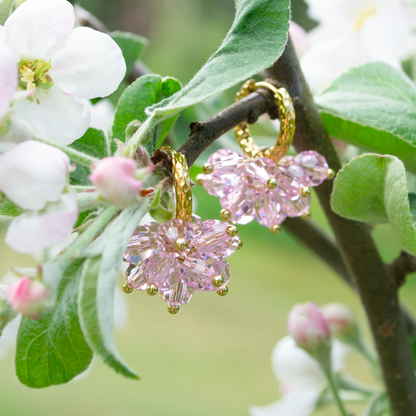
(35,74)
(362,14)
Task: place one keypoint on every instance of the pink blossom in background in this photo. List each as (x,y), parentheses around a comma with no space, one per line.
(74,64)
(27,296)
(33,174)
(33,230)
(339,317)
(8,78)
(307,325)
(115,181)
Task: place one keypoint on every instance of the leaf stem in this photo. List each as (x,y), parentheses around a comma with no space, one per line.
(335,393)
(73,154)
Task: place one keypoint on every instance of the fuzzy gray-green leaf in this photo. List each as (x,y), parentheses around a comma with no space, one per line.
(373,188)
(52,350)
(373,106)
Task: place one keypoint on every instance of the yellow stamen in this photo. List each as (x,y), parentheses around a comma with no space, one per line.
(362,15)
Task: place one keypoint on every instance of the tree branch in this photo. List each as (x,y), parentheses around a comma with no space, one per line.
(401,267)
(377,289)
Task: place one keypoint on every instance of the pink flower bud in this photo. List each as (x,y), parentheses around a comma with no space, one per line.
(114,179)
(307,326)
(27,296)
(339,318)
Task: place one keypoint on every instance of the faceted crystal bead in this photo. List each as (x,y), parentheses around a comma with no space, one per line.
(296,207)
(287,186)
(142,244)
(240,203)
(226,162)
(270,209)
(212,241)
(200,273)
(212,186)
(175,292)
(259,171)
(170,232)
(314,165)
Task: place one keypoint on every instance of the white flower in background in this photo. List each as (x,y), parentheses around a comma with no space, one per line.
(352,32)
(299,37)
(102,115)
(33,175)
(63,65)
(302,380)
(36,230)
(8,78)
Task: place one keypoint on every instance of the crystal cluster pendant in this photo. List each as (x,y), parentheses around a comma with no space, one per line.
(178,258)
(261,189)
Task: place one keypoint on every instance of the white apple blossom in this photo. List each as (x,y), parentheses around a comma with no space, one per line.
(302,380)
(8,79)
(102,115)
(63,65)
(352,32)
(33,173)
(36,230)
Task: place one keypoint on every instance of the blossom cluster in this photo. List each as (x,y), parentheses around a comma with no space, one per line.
(49,70)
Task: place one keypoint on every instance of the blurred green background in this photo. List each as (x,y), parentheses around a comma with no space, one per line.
(213,358)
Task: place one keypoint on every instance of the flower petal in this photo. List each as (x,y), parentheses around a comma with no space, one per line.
(87,63)
(8,79)
(32,174)
(32,231)
(58,117)
(33,27)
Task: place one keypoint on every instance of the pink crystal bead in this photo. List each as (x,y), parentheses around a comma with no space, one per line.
(258,172)
(270,209)
(240,203)
(212,186)
(298,206)
(314,166)
(179,269)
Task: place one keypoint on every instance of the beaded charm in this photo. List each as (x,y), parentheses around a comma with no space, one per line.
(264,184)
(184,255)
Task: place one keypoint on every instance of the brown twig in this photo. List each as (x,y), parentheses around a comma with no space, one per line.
(401,267)
(377,289)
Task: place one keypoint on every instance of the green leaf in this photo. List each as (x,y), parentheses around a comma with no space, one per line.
(132,46)
(98,284)
(8,209)
(144,92)
(94,143)
(6,8)
(373,106)
(413,346)
(255,41)
(373,188)
(52,350)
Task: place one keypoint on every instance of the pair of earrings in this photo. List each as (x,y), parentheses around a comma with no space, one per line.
(186,255)
(264,184)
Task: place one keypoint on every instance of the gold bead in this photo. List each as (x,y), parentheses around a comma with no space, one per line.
(232,231)
(272,183)
(225,214)
(207,168)
(127,287)
(173,309)
(181,244)
(275,229)
(199,179)
(305,191)
(331,174)
(240,244)
(152,289)
(217,280)
(223,291)
(307,216)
